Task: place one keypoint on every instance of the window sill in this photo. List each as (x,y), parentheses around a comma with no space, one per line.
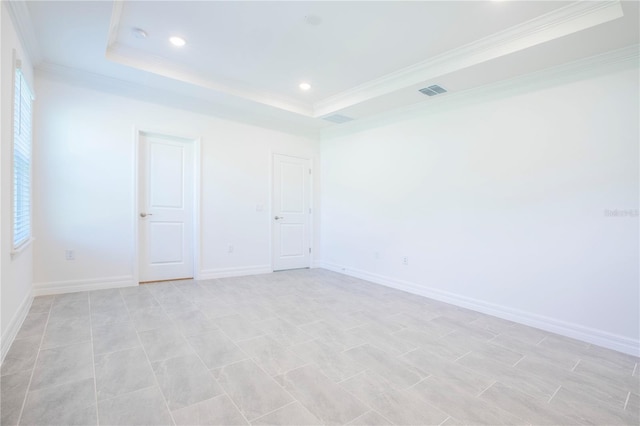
(22,247)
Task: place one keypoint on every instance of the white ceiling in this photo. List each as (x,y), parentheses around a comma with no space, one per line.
(361,57)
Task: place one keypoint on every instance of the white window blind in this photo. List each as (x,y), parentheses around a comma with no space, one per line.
(21,161)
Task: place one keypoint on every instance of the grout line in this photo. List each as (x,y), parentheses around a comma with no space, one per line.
(224,392)
(128,393)
(554,394)
(279,408)
(348,378)
(93,362)
(371,410)
(635,368)
(418,382)
(487,388)
(407,352)
(462,356)
(288,371)
(354,346)
(248,339)
(361,415)
(35,363)
(444,421)
(353,328)
(541,340)
(518,361)
(626,402)
(380,414)
(575,366)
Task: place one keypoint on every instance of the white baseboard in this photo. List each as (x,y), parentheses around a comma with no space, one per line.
(318,264)
(209,274)
(575,331)
(14,326)
(58,287)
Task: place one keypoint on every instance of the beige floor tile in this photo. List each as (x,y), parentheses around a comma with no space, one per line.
(371,418)
(322,397)
(294,414)
(525,407)
(300,347)
(218,411)
(252,390)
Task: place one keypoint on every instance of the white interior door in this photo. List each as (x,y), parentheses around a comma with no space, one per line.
(166,208)
(291,212)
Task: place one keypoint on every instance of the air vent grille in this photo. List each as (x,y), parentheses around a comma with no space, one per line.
(337,118)
(433,90)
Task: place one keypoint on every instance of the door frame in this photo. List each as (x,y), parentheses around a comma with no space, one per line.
(196,185)
(312,162)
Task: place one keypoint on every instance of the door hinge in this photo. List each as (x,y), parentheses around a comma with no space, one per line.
(309,249)
(309,210)
(309,171)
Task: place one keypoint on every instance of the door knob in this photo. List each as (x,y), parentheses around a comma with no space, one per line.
(146,214)
(279,217)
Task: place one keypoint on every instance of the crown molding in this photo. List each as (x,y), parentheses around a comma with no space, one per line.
(279,120)
(137,59)
(613,61)
(21,18)
(569,19)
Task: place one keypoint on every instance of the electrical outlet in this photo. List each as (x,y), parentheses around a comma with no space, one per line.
(230,248)
(405,260)
(70,254)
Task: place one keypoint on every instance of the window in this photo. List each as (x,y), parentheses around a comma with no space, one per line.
(21,161)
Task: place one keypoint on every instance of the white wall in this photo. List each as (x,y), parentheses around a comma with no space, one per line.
(84,175)
(499,206)
(15,271)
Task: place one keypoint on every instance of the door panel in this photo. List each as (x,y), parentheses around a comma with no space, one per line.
(166,208)
(291,212)
(292,186)
(159,234)
(291,239)
(166,184)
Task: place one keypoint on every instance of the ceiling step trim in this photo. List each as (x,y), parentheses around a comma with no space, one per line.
(114,23)
(160,66)
(569,19)
(613,61)
(170,99)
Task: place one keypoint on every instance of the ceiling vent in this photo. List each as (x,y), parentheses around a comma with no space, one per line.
(433,90)
(337,118)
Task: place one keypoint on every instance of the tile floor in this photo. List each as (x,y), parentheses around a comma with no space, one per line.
(299,347)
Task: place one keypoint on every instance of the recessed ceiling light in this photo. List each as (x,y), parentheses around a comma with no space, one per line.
(304,86)
(139,33)
(177,41)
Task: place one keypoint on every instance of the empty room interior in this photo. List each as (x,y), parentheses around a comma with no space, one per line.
(320,212)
